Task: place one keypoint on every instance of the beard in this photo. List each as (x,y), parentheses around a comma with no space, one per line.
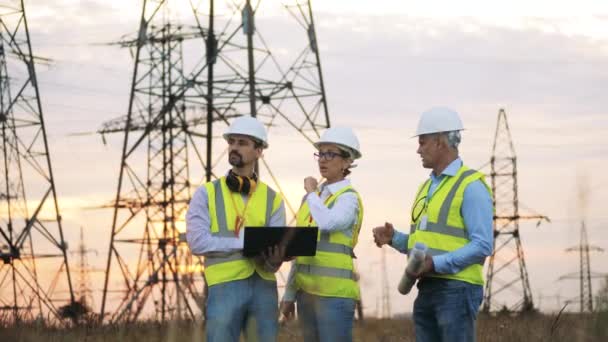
(235,159)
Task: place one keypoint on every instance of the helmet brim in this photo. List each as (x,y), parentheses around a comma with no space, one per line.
(264,144)
(435,132)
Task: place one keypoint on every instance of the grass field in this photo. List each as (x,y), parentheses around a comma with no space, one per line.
(567,328)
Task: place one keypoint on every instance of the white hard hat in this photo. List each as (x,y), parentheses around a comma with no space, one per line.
(250,126)
(438,119)
(343,137)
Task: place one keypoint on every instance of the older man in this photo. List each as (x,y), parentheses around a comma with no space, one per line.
(452,214)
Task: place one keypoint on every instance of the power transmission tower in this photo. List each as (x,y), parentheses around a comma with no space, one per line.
(177,100)
(386,302)
(584,274)
(34,267)
(507,286)
(84,293)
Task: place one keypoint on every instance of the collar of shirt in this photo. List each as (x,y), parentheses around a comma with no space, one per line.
(328,190)
(450,170)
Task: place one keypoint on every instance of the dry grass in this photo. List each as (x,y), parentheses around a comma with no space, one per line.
(545,328)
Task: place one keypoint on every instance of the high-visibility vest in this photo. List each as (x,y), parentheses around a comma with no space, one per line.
(222,215)
(330,273)
(445,230)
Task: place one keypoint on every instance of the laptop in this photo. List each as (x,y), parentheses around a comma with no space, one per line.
(299,241)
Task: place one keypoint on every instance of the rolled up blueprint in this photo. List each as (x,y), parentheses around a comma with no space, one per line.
(415,262)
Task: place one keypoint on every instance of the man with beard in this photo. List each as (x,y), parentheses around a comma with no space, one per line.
(242,292)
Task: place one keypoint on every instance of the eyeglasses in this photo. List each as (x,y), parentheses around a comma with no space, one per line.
(327,155)
(418,208)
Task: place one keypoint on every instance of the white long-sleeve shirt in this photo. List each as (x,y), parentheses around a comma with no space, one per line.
(198,232)
(343,214)
(341,217)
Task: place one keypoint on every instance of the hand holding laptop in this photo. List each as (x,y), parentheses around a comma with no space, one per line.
(275,254)
(272,258)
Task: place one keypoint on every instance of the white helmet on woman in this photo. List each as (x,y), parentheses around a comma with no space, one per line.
(344,137)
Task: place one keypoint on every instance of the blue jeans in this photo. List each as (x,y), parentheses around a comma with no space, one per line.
(325,319)
(248,305)
(446,310)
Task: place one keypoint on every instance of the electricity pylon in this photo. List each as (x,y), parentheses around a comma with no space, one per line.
(584,274)
(84,292)
(34,268)
(178,98)
(507,285)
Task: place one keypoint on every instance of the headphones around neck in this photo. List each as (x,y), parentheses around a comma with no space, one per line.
(240,184)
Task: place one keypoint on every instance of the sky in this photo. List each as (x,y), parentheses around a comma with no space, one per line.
(384,62)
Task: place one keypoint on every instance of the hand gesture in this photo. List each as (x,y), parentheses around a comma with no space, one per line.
(310,184)
(383,234)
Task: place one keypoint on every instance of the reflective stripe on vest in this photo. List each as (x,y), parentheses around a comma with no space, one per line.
(213,260)
(235,266)
(326,246)
(330,272)
(445,238)
(323,271)
(270,196)
(220,209)
(442,226)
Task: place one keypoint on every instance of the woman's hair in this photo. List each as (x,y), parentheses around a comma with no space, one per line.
(346,154)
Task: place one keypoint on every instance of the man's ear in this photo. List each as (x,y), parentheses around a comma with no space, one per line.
(441,141)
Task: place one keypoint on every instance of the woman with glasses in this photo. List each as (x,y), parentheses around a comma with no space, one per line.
(325,286)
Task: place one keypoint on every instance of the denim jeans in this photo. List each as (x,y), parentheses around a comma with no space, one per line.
(325,319)
(248,305)
(446,310)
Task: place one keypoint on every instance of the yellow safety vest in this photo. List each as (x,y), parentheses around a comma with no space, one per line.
(330,273)
(222,215)
(445,231)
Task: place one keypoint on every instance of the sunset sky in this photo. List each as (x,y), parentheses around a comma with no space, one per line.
(384,62)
